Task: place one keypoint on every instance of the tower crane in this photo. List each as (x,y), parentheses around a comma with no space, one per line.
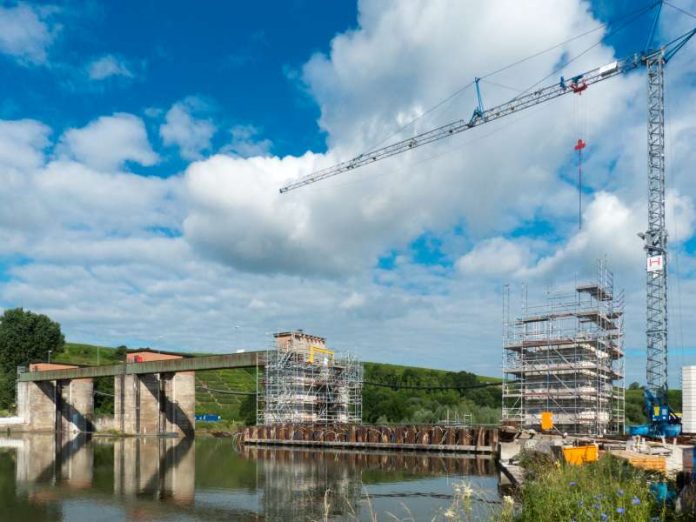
(662,419)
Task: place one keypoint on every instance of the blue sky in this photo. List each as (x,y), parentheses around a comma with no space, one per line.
(142,145)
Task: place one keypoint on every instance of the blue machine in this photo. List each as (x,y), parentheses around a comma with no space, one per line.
(663,421)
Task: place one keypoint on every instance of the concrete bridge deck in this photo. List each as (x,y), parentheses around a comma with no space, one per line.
(209,362)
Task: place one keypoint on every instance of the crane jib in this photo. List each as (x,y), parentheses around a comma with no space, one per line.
(575,84)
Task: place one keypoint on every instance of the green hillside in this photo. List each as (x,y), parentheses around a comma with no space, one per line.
(230,393)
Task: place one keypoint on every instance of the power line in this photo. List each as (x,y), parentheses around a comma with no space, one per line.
(397,386)
(228,392)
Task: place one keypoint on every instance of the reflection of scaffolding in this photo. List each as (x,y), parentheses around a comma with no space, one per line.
(566,357)
(304,381)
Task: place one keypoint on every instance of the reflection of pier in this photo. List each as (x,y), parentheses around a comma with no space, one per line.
(48,459)
(154,467)
(161,468)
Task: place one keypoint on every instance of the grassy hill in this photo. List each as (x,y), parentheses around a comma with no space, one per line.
(229,393)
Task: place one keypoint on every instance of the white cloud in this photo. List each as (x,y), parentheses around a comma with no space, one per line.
(25,33)
(118,257)
(108,66)
(22,143)
(183,129)
(108,142)
(496,256)
(246,142)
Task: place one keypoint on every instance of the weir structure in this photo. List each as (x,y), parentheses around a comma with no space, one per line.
(154,393)
(565,357)
(306,382)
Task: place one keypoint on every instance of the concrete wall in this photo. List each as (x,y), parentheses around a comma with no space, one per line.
(66,406)
(36,404)
(154,404)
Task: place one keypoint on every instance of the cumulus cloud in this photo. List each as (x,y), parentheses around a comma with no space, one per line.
(26,33)
(247,142)
(496,256)
(183,129)
(108,66)
(191,255)
(489,179)
(22,143)
(108,142)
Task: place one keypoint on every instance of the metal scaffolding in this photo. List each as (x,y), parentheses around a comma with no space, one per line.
(304,381)
(566,357)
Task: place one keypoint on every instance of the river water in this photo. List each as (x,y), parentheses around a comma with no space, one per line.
(105,479)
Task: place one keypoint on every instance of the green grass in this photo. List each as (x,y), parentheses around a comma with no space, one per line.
(609,489)
(212,385)
(86,354)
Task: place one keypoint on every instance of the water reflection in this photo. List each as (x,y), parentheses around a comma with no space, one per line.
(42,478)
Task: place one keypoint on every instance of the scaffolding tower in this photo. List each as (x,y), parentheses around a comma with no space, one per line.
(305,382)
(566,357)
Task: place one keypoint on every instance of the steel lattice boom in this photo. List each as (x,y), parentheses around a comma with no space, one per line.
(574,85)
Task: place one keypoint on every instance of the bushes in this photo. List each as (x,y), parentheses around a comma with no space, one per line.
(402,404)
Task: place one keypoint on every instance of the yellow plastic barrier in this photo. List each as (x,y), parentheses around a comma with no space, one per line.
(578,455)
(546,421)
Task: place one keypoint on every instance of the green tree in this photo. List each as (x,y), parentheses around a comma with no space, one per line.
(25,337)
(634,386)
(121,352)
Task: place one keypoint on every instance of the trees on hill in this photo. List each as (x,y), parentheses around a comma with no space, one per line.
(24,337)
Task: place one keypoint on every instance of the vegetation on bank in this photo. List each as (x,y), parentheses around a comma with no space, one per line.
(607,490)
(24,337)
(392,393)
(415,395)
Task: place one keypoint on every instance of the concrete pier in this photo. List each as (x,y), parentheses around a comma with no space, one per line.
(155,403)
(63,405)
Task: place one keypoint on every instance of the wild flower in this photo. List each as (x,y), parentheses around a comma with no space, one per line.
(467,491)
(635,501)
(450,513)
(620,510)
(603,517)
(620,492)
(508,501)
(571,484)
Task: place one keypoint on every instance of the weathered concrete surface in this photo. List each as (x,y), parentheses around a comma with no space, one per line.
(36,404)
(213,362)
(153,404)
(66,406)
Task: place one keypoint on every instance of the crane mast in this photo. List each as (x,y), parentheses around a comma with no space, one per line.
(656,235)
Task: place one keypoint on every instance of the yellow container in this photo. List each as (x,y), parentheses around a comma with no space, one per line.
(578,455)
